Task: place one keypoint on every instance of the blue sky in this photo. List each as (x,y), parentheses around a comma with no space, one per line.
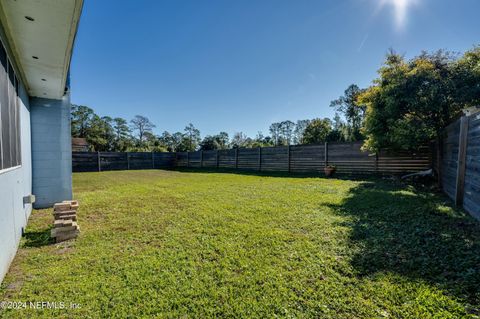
(240,65)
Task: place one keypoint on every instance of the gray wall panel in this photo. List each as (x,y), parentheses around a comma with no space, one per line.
(51,150)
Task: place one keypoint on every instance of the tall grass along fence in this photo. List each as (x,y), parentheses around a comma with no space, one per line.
(459,166)
(347,157)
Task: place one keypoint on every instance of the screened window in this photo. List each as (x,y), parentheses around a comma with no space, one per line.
(10,155)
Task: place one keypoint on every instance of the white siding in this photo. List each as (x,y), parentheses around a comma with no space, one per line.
(14,185)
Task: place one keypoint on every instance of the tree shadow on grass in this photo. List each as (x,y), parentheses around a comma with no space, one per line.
(38,238)
(416,234)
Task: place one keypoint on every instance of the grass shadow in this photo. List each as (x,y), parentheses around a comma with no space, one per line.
(38,238)
(414,233)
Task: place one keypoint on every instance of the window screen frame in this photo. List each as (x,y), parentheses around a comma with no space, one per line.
(10,114)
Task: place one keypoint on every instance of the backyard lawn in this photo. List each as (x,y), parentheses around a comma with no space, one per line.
(201,244)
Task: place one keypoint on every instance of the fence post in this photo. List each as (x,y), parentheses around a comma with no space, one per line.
(439,158)
(128,160)
(176,160)
(98,162)
(462,154)
(326,154)
(201,158)
(260,159)
(153,160)
(188,159)
(216,155)
(376,162)
(288,157)
(236,158)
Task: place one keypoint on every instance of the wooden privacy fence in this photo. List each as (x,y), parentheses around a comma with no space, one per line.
(460,163)
(347,157)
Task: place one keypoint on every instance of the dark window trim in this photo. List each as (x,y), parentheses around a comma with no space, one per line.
(11,111)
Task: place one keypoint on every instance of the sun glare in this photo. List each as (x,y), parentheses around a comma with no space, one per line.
(400,8)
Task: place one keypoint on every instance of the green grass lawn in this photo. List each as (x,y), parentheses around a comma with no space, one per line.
(199,245)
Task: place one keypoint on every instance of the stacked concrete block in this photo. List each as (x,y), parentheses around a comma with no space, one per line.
(65,225)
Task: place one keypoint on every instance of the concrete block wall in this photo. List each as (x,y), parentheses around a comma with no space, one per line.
(51,150)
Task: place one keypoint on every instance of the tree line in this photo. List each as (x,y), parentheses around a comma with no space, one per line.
(407,106)
(107,134)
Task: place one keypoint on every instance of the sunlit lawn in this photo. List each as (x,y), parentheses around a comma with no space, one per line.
(200,245)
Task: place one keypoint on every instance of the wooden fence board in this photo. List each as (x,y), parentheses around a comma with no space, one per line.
(471,200)
(182,159)
(210,159)
(140,160)
(164,160)
(113,161)
(84,162)
(247,159)
(347,157)
(226,158)
(451,183)
(195,159)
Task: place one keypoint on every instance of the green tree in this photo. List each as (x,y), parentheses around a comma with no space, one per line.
(108,132)
(81,117)
(354,111)
(122,132)
(286,131)
(209,143)
(97,131)
(215,142)
(152,143)
(121,128)
(300,127)
(192,136)
(173,142)
(466,76)
(141,124)
(99,134)
(261,140)
(340,131)
(241,140)
(166,139)
(276,132)
(223,140)
(412,101)
(177,139)
(317,131)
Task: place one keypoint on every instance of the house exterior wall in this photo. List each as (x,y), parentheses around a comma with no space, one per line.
(15,183)
(51,150)
(43,125)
